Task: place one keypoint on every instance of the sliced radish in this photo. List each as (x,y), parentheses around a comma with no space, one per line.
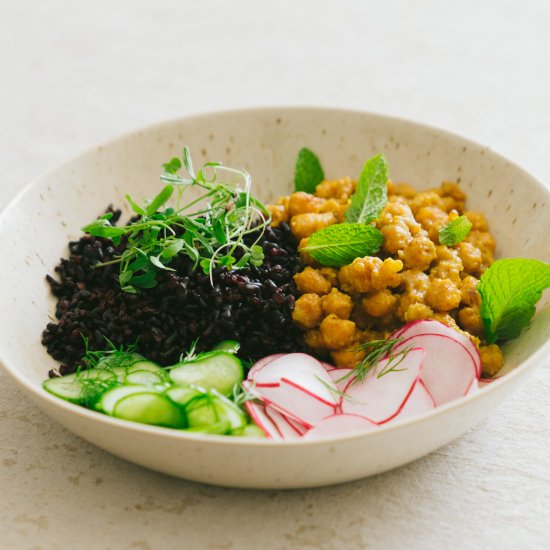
(448,366)
(427,326)
(296,402)
(340,423)
(261,363)
(286,429)
(327,366)
(380,397)
(474,387)
(297,426)
(258,414)
(418,402)
(341,377)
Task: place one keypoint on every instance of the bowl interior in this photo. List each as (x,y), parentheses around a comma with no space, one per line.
(45,216)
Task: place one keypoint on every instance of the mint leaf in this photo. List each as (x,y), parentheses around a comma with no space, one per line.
(509,290)
(455,232)
(308,172)
(338,245)
(371,193)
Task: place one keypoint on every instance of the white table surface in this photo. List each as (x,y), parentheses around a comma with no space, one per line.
(75,73)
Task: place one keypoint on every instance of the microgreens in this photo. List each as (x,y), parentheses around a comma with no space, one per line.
(210,229)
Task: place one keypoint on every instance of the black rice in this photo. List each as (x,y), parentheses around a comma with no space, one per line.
(252,305)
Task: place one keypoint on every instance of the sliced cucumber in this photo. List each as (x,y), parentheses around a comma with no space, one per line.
(112,397)
(71,387)
(145,378)
(221,428)
(144,365)
(150,408)
(182,395)
(229,346)
(227,410)
(213,408)
(250,430)
(219,371)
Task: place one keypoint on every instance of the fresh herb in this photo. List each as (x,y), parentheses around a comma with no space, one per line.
(308,172)
(376,351)
(455,232)
(509,290)
(210,229)
(370,196)
(338,245)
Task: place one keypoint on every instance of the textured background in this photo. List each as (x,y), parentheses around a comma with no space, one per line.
(74,74)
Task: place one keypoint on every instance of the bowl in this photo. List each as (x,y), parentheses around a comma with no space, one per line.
(39,222)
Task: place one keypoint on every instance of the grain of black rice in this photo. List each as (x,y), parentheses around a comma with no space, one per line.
(252,305)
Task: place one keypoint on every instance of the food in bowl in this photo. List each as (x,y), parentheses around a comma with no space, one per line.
(396,288)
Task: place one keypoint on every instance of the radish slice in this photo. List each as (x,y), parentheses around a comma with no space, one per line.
(381,397)
(300,428)
(448,366)
(427,326)
(474,388)
(418,402)
(286,429)
(339,424)
(296,401)
(258,414)
(327,366)
(261,363)
(299,369)
(341,377)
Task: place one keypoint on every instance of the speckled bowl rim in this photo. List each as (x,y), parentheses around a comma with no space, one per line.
(542,355)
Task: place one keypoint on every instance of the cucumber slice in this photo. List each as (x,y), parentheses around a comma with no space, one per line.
(250,430)
(144,365)
(182,395)
(229,346)
(112,397)
(201,412)
(220,428)
(227,410)
(213,408)
(145,378)
(150,408)
(218,370)
(73,388)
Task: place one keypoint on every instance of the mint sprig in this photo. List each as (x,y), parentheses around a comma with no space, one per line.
(509,290)
(308,172)
(370,196)
(455,232)
(338,245)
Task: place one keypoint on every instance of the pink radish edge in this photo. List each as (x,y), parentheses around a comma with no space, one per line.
(258,414)
(443,330)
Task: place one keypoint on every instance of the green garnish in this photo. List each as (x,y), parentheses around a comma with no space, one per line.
(338,245)
(211,235)
(509,290)
(370,196)
(308,172)
(455,231)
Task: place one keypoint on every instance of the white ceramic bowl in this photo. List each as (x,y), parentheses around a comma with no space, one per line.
(36,226)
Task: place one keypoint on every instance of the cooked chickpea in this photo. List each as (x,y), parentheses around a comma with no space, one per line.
(471,257)
(336,189)
(379,304)
(337,303)
(304,203)
(428,198)
(314,339)
(419,253)
(492,359)
(442,295)
(310,280)
(396,237)
(369,273)
(304,225)
(278,213)
(470,295)
(348,358)
(479,223)
(330,274)
(308,311)
(338,208)
(470,320)
(417,311)
(337,333)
